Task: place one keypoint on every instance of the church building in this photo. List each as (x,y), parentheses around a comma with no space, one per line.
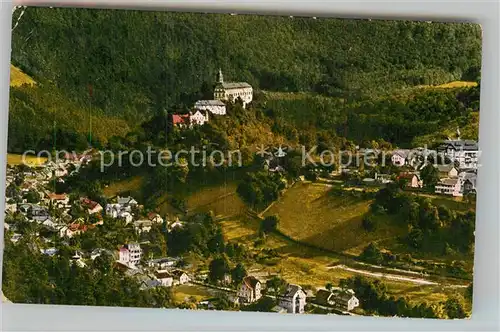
(230,91)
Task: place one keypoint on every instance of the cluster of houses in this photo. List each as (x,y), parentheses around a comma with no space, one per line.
(204,109)
(456,178)
(293,298)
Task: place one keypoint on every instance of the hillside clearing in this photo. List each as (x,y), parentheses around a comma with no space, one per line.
(131,185)
(308,213)
(17,159)
(18,78)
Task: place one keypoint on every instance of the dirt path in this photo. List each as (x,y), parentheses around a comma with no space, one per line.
(419,281)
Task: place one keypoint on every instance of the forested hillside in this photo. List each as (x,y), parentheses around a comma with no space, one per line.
(140,62)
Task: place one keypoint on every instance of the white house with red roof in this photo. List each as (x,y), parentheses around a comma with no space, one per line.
(130,254)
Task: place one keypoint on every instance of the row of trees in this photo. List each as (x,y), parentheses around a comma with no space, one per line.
(375,300)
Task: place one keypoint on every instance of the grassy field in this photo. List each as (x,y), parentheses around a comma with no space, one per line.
(18,78)
(17,159)
(183,292)
(130,185)
(327,221)
(309,267)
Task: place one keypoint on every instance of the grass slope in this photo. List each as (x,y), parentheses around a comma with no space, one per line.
(18,78)
(308,213)
(17,159)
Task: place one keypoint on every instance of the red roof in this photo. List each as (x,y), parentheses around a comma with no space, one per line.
(57,197)
(180,118)
(89,203)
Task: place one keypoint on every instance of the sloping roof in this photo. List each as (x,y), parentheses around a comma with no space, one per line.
(445,168)
(322,296)
(235,85)
(200,103)
(57,197)
(448,182)
(401,153)
(291,290)
(465,145)
(162,274)
(177,273)
(251,281)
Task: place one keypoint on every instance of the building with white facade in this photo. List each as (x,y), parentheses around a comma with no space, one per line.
(216,107)
(231,91)
(130,254)
(464,152)
(448,186)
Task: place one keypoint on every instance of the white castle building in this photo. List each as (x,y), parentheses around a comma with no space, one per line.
(213,106)
(231,91)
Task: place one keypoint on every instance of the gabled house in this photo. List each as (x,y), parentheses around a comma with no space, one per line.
(127,201)
(449,186)
(181,120)
(400,157)
(198,118)
(164,277)
(250,290)
(413,180)
(180,277)
(340,299)
(58,200)
(293,299)
(447,171)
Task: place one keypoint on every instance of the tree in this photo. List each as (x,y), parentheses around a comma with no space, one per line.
(430,176)
(415,237)
(238,273)
(269,224)
(276,285)
(372,254)
(218,268)
(33,197)
(454,309)
(369,222)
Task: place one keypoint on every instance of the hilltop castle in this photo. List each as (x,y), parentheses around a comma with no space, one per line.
(230,91)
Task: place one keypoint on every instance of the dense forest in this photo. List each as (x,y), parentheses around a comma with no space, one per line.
(141,62)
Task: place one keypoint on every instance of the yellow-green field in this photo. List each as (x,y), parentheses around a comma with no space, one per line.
(132,185)
(309,214)
(305,266)
(17,159)
(223,201)
(183,292)
(18,78)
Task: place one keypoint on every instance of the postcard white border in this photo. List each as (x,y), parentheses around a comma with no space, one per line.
(17,317)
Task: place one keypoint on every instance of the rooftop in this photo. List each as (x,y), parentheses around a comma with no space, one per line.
(235,85)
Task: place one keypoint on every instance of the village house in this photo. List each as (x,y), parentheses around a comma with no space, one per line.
(198,118)
(91,206)
(231,91)
(448,186)
(180,277)
(340,299)
(400,157)
(181,120)
(58,200)
(155,218)
(468,181)
(130,254)
(250,290)
(293,299)
(127,201)
(465,152)
(413,180)
(447,171)
(216,107)
(164,277)
(162,263)
(143,225)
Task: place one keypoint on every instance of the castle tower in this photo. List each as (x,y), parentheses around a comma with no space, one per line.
(220,77)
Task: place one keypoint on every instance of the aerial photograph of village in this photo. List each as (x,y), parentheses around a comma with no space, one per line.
(280,164)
